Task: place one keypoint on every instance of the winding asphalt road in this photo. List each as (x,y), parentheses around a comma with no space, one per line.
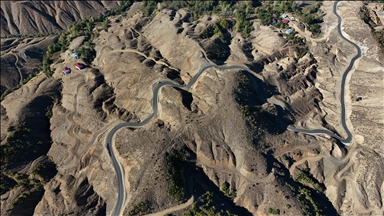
(115,163)
(348,140)
(119,170)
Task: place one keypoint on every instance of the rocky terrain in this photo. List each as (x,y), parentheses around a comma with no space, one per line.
(41,17)
(221,146)
(21,58)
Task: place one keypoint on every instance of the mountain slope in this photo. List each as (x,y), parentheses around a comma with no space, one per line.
(34,17)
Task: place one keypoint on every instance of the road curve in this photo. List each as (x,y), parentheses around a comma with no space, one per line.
(155,99)
(348,140)
(117,165)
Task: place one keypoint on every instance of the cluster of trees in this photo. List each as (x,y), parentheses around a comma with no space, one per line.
(305,176)
(197,8)
(266,15)
(149,7)
(223,8)
(219,28)
(176,164)
(243,24)
(310,16)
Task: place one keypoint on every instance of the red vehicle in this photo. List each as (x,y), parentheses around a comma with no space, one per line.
(79,66)
(66,70)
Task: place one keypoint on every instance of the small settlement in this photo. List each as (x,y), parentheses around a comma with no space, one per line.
(79,66)
(284,19)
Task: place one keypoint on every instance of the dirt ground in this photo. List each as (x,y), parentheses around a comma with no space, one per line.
(209,122)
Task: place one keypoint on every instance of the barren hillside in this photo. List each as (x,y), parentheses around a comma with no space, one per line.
(41,17)
(20,58)
(221,146)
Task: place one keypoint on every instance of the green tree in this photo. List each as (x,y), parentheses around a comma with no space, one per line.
(105,24)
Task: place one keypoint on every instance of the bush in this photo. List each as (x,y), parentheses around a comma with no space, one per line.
(274,211)
(225,188)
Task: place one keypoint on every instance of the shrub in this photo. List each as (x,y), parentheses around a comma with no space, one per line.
(274,211)
(225,188)
(140,208)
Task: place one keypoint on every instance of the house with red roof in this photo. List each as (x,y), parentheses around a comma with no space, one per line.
(286,21)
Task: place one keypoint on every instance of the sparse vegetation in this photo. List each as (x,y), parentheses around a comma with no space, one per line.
(25,80)
(288,159)
(20,198)
(241,10)
(6,183)
(305,198)
(82,28)
(258,120)
(48,112)
(44,171)
(205,206)
(274,211)
(140,208)
(378,35)
(225,188)
(176,163)
(19,147)
(359,98)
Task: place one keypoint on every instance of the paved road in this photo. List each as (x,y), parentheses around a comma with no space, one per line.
(348,140)
(115,163)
